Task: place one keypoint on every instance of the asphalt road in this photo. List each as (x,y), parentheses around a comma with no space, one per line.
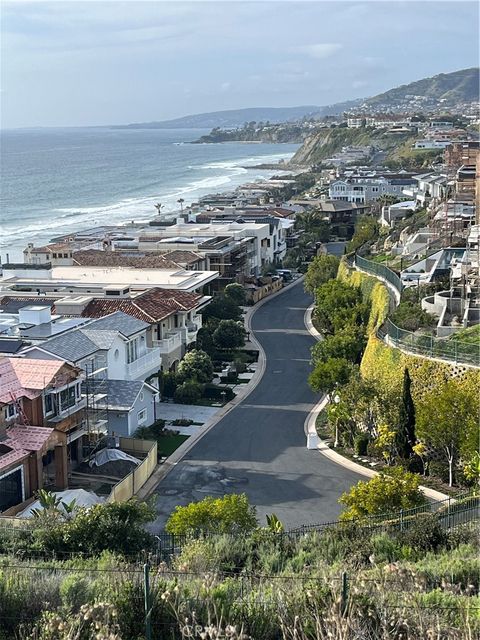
(260,446)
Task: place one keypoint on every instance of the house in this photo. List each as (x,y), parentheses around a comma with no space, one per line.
(428,186)
(174,318)
(23,450)
(44,394)
(57,254)
(391,214)
(117,346)
(108,281)
(131,404)
(365,189)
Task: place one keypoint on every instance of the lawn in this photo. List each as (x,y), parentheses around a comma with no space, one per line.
(167,444)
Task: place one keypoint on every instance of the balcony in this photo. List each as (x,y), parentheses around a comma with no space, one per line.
(171,342)
(150,361)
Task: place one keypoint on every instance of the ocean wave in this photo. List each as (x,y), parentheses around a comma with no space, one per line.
(63,220)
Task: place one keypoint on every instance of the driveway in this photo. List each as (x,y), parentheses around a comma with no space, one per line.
(260,446)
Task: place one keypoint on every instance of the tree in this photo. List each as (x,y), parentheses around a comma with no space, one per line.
(326,376)
(196,365)
(390,491)
(447,420)
(223,308)
(335,303)
(230,514)
(405,436)
(347,343)
(236,292)
(229,335)
(320,270)
(204,340)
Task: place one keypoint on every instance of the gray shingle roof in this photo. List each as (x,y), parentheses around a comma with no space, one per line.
(119,321)
(72,346)
(121,394)
(103,339)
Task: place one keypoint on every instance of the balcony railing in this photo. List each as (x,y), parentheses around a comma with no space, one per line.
(151,359)
(169,343)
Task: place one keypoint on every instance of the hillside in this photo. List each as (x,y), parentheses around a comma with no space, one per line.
(230,118)
(458,86)
(326,142)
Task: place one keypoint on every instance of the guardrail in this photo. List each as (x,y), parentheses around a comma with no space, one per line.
(378,269)
(429,346)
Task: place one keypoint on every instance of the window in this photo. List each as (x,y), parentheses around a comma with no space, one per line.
(132,351)
(11,411)
(49,406)
(54,255)
(67,398)
(11,489)
(142,416)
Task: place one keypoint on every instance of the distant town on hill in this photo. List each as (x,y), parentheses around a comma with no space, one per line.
(444,89)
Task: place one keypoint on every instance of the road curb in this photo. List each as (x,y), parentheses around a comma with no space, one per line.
(177,456)
(315,442)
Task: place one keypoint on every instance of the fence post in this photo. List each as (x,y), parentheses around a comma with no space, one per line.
(448,514)
(401,519)
(148,610)
(344,596)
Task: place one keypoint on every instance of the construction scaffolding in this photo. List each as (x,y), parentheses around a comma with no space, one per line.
(95,391)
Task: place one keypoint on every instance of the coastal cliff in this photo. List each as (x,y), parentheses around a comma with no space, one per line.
(326,142)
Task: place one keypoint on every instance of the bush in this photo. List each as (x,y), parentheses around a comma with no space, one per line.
(169,384)
(218,392)
(390,491)
(229,335)
(75,590)
(425,533)
(188,392)
(361,444)
(230,514)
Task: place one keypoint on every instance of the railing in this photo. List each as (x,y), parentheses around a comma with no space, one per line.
(451,513)
(151,359)
(169,344)
(430,346)
(380,270)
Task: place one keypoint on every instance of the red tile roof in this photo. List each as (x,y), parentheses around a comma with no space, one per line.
(151,306)
(183,257)
(97,258)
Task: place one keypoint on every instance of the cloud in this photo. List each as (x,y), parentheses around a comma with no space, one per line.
(320,50)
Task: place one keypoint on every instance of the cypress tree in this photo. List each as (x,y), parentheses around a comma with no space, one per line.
(406,420)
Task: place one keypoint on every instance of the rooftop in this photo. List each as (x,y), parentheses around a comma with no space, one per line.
(26,376)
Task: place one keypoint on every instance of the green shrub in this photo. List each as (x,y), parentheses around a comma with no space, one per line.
(425,533)
(361,444)
(218,392)
(188,392)
(230,514)
(75,590)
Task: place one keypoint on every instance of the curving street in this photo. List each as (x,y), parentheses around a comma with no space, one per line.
(259,447)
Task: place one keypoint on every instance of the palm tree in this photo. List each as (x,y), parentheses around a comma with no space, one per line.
(158,207)
(180,202)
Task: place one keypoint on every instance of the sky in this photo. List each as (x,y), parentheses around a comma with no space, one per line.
(74,63)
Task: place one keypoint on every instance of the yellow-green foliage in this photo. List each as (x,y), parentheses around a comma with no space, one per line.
(373,291)
(385,365)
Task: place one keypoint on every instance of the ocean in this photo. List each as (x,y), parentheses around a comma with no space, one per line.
(55,181)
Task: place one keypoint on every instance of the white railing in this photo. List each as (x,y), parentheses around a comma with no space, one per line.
(151,359)
(169,343)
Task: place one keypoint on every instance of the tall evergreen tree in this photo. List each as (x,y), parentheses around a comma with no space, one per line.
(406,438)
